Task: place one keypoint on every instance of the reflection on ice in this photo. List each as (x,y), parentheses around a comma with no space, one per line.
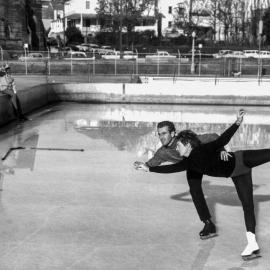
(133,128)
(17,158)
(175,113)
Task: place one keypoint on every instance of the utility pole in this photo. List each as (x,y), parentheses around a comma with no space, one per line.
(64,24)
(121,28)
(215,19)
(260,41)
(190,11)
(192,67)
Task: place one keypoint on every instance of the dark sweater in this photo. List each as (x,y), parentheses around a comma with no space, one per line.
(205,159)
(169,153)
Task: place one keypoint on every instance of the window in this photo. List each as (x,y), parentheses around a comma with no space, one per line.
(86,23)
(181,5)
(87,4)
(170,10)
(169,24)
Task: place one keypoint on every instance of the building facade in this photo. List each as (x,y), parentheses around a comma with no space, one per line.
(165,17)
(21,23)
(78,13)
(83,15)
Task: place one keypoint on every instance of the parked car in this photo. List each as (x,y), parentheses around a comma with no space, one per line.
(235,54)
(198,54)
(69,49)
(160,56)
(83,47)
(222,53)
(130,55)
(251,53)
(78,56)
(93,47)
(105,49)
(33,57)
(264,54)
(111,55)
(54,49)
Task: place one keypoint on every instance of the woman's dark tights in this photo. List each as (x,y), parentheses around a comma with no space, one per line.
(253,158)
(244,186)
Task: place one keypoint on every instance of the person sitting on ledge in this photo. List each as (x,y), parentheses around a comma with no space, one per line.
(7,86)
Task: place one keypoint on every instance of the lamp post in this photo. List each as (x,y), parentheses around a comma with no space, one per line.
(259,58)
(192,69)
(200,60)
(25,47)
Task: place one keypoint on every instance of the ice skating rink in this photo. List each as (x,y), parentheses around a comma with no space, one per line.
(68,210)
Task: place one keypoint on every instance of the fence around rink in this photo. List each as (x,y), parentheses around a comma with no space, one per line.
(180,65)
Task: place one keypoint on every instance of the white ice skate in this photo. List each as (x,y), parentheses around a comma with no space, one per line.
(252,249)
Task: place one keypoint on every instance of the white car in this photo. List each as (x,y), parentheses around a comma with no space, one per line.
(235,54)
(251,53)
(105,49)
(160,56)
(33,57)
(83,47)
(111,55)
(130,55)
(222,53)
(264,54)
(78,56)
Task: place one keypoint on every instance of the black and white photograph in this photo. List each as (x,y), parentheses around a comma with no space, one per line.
(134,134)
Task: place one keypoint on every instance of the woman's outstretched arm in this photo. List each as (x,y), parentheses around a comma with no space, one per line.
(226,136)
(177,167)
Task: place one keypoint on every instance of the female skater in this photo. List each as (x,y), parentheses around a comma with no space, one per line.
(205,159)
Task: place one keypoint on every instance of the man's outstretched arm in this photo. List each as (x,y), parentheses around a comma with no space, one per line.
(161,156)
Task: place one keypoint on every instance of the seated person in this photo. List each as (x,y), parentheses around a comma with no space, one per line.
(7,86)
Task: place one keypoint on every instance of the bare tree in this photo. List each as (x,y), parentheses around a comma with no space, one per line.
(128,12)
(181,16)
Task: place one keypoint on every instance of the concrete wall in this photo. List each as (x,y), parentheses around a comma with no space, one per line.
(31,99)
(179,92)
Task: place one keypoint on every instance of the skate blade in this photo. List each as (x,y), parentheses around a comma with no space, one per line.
(254,255)
(211,235)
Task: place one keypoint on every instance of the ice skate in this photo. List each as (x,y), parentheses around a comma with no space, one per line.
(208,231)
(252,250)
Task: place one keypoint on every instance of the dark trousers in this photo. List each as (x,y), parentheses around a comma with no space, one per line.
(195,186)
(15,102)
(244,186)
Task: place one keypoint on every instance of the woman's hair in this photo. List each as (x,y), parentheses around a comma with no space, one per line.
(188,136)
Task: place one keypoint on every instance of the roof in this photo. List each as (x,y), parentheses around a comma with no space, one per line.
(84,15)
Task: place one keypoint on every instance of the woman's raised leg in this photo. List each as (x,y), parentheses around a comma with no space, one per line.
(253,158)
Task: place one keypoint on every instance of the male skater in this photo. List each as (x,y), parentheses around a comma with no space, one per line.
(167,152)
(205,159)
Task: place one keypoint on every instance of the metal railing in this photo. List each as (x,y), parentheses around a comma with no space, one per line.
(173,65)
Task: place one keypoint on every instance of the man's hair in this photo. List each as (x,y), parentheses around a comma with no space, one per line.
(2,72)
(168,124)
(6,67)
(188,136)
